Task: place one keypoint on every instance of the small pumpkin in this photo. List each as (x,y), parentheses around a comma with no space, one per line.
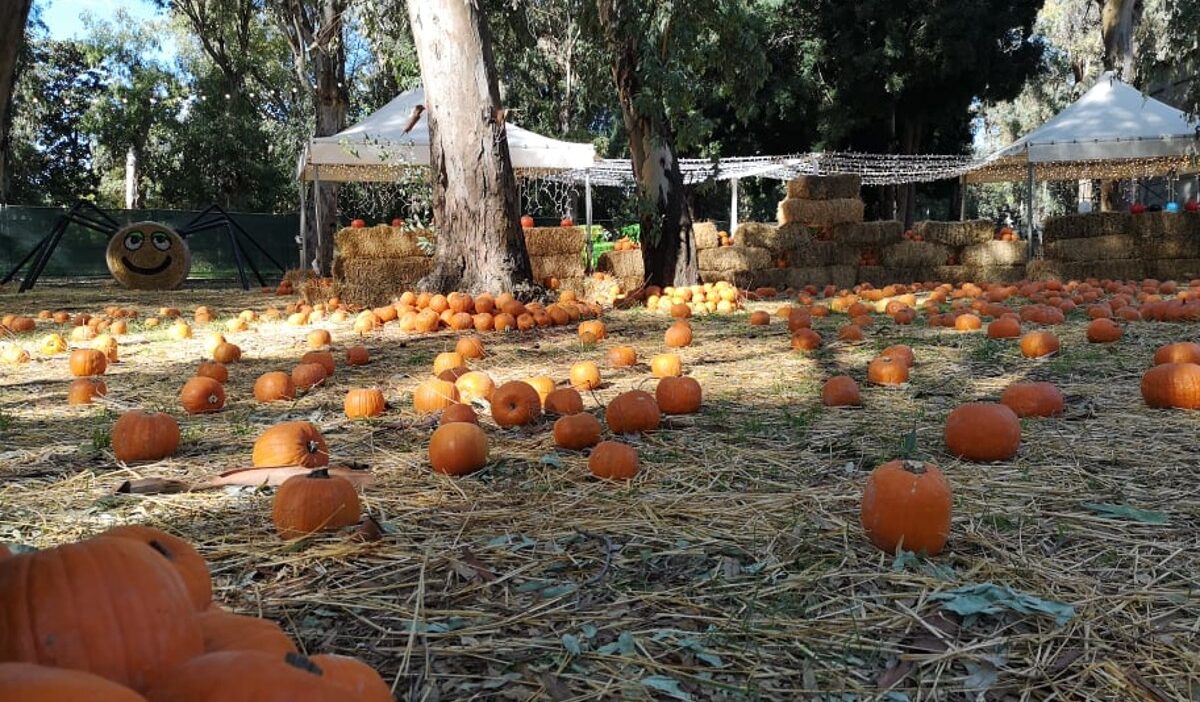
(84,390)
(458,413)
(322,358)
(613,460)
(907,504)
(357,356)
(666,365)
(621,356)
(888,370)
(576,431)
(226,352)
(25,682)
(469,347)
(902,353)
(290,444)
(87,362)
(182,556)
(201,395)
(1036,344)
(1004,328)
(214,370)
(306,376)
(516,403)
(447,360)
(564,401)
(967,322)
(805,339)
(140,436)
(318,501)
(434,395)
(319,339)
(1172,385)
(632,412)
(53,344)
(680,395)
(1033,399)
(361,403)
(475,385)
(1103,330)
(759,318)
(458,448)
(841,391)
(585,375)
(351,674)
(274,386)
(983,431)
(678,335)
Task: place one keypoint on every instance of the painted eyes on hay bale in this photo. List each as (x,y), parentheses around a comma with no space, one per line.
(135,240)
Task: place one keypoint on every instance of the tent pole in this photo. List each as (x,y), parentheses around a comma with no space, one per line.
(303,221)
(733,206)
(587,214)
(962,197)
(316,211)
(1033,245)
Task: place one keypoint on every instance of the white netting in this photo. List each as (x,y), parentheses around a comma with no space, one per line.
(543,194)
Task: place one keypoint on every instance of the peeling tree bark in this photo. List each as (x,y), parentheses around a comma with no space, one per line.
(12,38)
(668,247)
(480,245)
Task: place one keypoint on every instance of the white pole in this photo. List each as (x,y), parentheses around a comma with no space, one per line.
(303,221)
(587,214)
(1033,245)
(733,207)
(316,212)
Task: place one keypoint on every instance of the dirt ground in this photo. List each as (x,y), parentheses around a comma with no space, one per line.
(733,566)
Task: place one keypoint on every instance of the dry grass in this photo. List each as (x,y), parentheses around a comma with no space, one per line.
(733,566)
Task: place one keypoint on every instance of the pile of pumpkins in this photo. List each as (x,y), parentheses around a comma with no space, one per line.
(128,616)
(720,298)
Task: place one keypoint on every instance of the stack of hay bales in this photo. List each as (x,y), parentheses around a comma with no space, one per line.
(822,201)
(1121,246)
(557,252)
(372,265)
(739,264)
(972,253)
(626,267)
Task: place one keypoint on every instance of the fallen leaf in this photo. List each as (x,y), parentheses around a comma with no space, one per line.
(152,486)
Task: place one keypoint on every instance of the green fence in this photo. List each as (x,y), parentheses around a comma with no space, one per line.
(81,252)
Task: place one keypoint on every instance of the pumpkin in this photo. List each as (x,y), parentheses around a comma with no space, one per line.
(453,374)
(434,395)
(1180,352)
(840,391)
(275,386)
(888,370)
(983,431)
(678,335)
(87,362)
(306,376)
(469,347)
(364,402)
(357,356)
(1033,399)
(1103,330)
(322,358)
(576,431)
(1004,328)
(967,322)
(225,631)
(351,674)
(318,501)
(680,395)
(180,330)
(475,385)
(458,413)
(612,460)
(214,370)
(84,390)
(907,504)
(1039,343)
(247,676)
(26,682)
(447,360)
(131,623)
(290,444)
(564,401)
(585,376)
(759,318)
(632,412)
(53,344)
(543,384)
(226,352)
(458,448)
(319,339)
(805,339)
(516,403)
(621,356)
(190,565)
(138,436)
(14,354)
(1172,385)
(201,395)
(666,365)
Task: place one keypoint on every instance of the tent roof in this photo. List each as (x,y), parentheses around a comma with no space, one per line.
(1112,121)
(377,148)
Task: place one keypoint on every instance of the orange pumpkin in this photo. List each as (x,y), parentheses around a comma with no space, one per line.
(907,504)
(1172,385)
(434,395)
(888,370)
(274,386)
(678,335)
(322,358)
(364,402)
(469,347)
(759,318)
(214,370)
(576,431)
(351,674)
(357,356)
(1004,328)
(612,460)
(841,391)
(188,563)
(666,365)
(632,412)
(87,362)
(201,395)
(983,431)
(226,352)
(516,403)
(291,444)
(1103,330)
(138,436)
(26,682)
(84,390)
(1180,352)
(1039,343)
(458,448)
(621,356)
(318,501)
(967,322)
(585,375)
(680,395)
(306,376)
(447,360)
(1033,399)
(319,339)
(226,631)
(806,340)
(247,676)
(563,401)
(458,413)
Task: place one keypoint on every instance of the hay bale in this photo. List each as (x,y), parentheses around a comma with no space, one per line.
(956,234)
(622,264)
(387,275)
(366,296)
(880,276)
(1178,269)
(631,283)
(811,275)
(785,237)
(734,258)
(1097,248)
(1164,235)
(772,278)
(915,254)
(741,279)
(1169,247)
(994,274)
(833,253)
(1112,270)
(995,253)
(706,234)
(843,277)
(835,186)
(1043,269)
(950,274)
(1084,226)
(381,241)
(550,241)
(863,235)
(820,213)
(561,266)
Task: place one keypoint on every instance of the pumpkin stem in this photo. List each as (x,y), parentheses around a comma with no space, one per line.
(154,544)
(320,473)
(914,467)
(313,447)
(301,661)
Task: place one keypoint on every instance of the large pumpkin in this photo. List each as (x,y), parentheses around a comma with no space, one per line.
(681,395)
(585,375)
(576,431)
(1180,352)
(613,460)
(225,631)
(291,444)
(458,448)
(25,682)
(148,256)
(841,391)
(274,386)
(87,362)
(906,504)
(983,431)
(363,683)
(564,401)
(318,501)
(1033,399)
(434,395)
(179,553)
(107,606)
(201,395)
(247,676)
(1172,385)
(516,403)
(138,436)
(364,402)
(632,412)
(1039,343)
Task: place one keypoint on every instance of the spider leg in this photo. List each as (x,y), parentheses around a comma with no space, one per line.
(84,214)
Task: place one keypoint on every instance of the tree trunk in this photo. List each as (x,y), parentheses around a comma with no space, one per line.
(480,245)
(1117,20)
(668,247)
(331,100)
(12,38)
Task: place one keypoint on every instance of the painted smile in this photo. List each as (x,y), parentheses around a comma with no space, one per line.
(147,271)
